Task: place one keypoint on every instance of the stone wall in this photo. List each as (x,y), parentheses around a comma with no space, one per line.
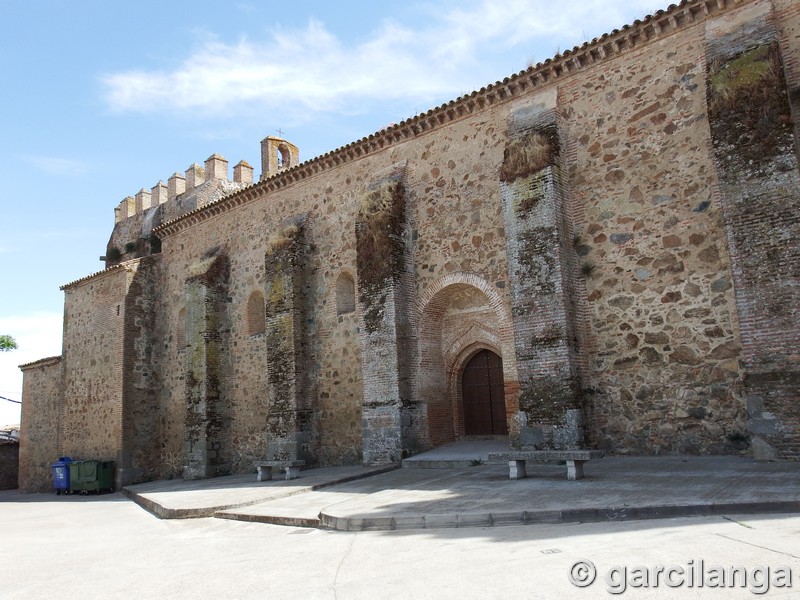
(207,432)
(288,429)
(144,352)
(646,317)
(753,134)
(91,419)
(41,411)
(602,222)
(532,188)
(662,334)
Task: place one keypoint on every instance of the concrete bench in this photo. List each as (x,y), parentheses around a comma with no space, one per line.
(573,458)
(291,467)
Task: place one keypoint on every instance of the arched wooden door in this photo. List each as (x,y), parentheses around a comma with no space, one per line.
(482,391)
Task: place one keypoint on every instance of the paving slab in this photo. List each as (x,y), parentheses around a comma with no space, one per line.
(617,488)
(422,496)
(180,499)
(461,454)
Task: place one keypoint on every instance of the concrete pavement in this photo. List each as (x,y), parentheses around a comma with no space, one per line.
(481,495)
(99,547)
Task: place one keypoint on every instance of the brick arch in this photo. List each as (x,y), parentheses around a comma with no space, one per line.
(470,279)
(455,364)
(446,341)
(458,354)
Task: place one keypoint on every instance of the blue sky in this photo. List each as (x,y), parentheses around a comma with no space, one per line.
(101,99)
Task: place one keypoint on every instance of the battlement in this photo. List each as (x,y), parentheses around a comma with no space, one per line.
(215,169)
(276,155)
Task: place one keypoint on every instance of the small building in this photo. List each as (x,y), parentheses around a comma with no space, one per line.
(9,457)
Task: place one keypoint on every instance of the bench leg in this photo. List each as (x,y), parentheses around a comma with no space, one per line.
(264,473)
(292,472)
(575,469)
(516,469)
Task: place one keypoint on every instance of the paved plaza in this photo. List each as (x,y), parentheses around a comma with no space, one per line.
(449,532)
(438,490)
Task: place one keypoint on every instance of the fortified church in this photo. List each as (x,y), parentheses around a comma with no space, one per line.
(600,251)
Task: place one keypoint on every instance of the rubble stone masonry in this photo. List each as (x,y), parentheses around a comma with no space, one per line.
(619,225)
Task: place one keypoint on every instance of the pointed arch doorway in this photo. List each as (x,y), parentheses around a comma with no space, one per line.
(483,395)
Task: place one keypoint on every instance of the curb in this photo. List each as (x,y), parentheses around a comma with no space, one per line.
(163,512)
(270,519)
(572,515)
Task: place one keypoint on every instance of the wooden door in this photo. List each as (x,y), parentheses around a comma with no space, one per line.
(482,391)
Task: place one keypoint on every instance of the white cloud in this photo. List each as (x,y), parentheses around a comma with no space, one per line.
(38,335)
(311,70)
(56,165)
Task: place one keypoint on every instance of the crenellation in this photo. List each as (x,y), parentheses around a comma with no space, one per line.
(128,207)
(216,167)
(159,194)
(243,173)
(143,200)
(195,176)
(176,185)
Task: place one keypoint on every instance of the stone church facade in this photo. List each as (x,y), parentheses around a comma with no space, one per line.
(599,251)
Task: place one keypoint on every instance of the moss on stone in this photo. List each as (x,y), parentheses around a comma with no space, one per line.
(529,154)
(749,109)
(276,295)
(282,238)
(546,399)
(380,247)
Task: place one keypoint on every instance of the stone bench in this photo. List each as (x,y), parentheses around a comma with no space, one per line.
(573,458)
(291,467)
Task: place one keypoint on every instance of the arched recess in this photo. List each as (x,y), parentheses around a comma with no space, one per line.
(255,314)
(345,293)
(284,157)
(483,395)
(456,360)
(460,315)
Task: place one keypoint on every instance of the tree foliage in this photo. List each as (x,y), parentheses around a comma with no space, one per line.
(7,343)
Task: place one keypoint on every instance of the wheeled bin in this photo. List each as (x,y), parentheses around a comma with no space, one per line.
(61,477)
(91,476)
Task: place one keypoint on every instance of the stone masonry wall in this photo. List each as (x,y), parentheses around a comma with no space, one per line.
(207,430)
(41,411)
(288,435)
(94,319)
(143,355)
(657,263)
(335,394)
(459,251)
(133,237)
(533,196)
(661,333)
(753,133)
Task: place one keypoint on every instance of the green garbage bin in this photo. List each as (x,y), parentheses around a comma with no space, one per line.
(91,476)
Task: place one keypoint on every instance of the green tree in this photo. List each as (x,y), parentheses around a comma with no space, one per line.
(7,343)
